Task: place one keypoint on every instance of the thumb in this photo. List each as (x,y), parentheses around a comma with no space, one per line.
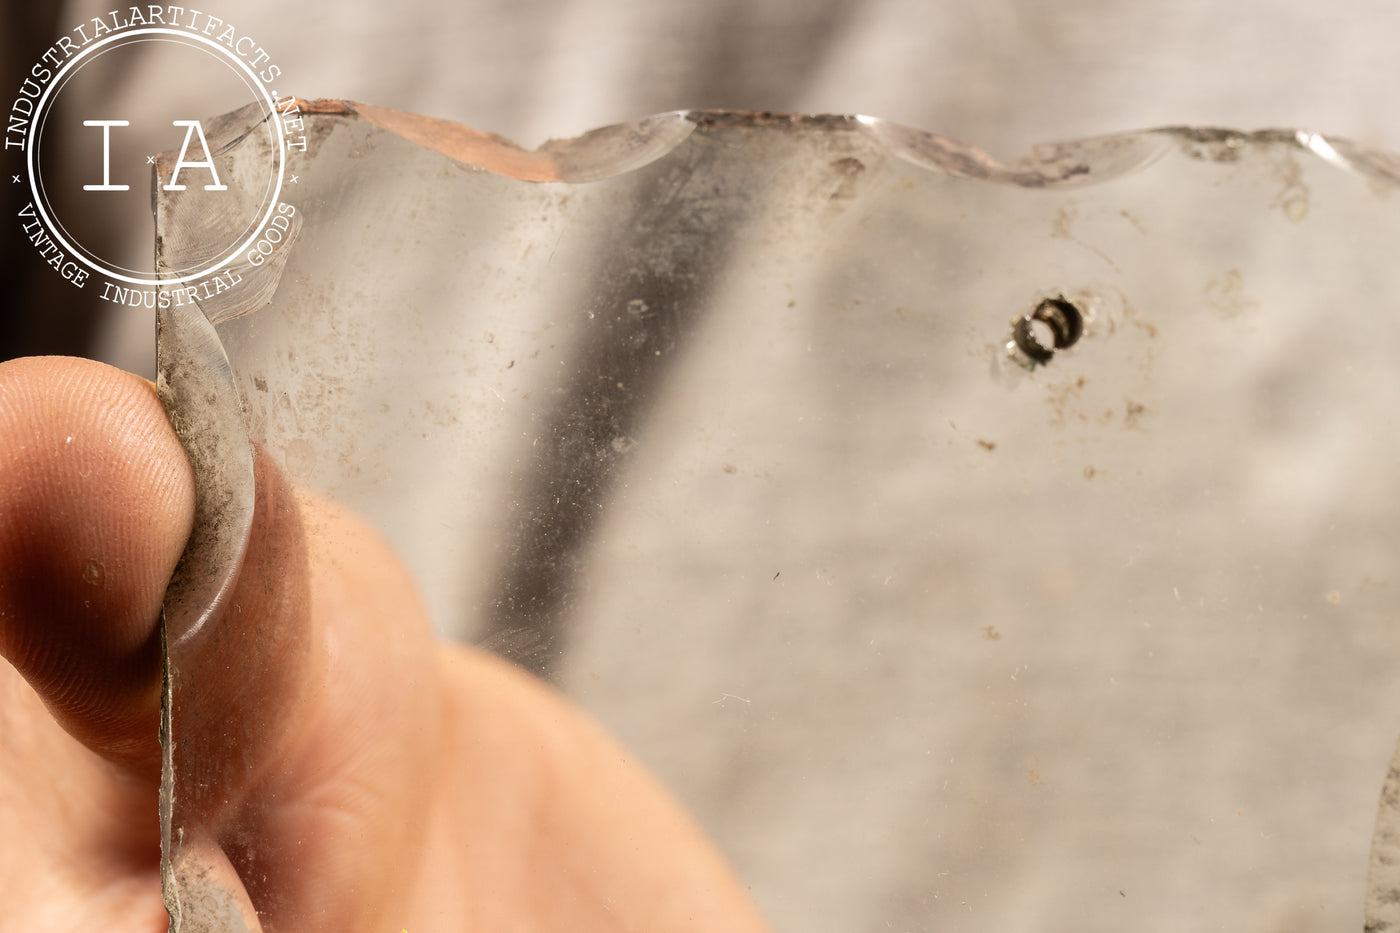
(96,503)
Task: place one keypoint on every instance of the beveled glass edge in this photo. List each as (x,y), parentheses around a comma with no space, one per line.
(610,151)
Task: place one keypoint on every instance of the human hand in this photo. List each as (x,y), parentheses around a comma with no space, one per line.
(420,786)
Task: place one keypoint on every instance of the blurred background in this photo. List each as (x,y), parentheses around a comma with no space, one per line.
(820,752)
(1002,75)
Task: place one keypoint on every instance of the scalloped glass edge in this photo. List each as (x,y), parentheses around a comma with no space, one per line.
(190,347)
(614,150)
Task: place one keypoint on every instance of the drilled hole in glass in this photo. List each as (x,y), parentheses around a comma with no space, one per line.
(1055,324)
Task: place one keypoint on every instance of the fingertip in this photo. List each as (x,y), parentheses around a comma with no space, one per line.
(96,502)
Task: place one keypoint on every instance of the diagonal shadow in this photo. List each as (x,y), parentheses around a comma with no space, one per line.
(650,294)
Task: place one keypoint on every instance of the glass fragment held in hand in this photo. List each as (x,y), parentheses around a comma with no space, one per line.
(970,545)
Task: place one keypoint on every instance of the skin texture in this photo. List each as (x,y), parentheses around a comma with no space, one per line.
(409,784)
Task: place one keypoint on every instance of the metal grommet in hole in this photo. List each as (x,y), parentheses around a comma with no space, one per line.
(1058,316)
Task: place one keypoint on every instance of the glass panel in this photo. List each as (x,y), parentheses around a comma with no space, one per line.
(970,546)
